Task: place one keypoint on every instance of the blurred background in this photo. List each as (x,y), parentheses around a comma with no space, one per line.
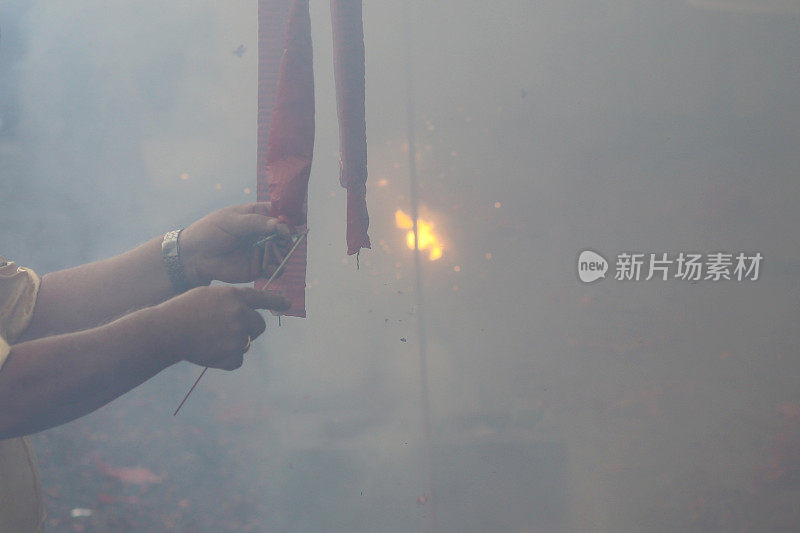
(543,129)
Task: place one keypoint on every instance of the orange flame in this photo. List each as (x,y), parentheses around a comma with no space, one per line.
(427,238)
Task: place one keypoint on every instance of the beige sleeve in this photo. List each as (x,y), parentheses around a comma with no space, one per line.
(4,351)
(18,289)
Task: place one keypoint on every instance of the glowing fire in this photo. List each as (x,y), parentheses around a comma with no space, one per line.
(427,239)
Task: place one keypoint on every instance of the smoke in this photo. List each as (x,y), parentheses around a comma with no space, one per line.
(543,129)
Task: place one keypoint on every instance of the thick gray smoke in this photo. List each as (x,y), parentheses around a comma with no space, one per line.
(543,128)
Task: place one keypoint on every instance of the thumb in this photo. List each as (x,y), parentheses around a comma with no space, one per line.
(253,224)
(256,299)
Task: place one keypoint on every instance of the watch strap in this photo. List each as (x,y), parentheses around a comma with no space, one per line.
(170,252)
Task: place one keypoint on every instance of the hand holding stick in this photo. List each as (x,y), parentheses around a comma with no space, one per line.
(270,280)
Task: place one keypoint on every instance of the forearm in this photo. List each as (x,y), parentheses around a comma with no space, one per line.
(89,295)
(50,381)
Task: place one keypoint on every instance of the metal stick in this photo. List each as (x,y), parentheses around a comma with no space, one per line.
(285,260)
(203,373)
(270,280)
(266,239)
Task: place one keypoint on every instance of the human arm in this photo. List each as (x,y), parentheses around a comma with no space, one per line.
(218,246)
(50,381)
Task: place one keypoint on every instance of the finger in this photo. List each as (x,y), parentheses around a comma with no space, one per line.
(277,254)
(231,362)
(273,264)
(285,243)
(271,258)
(259,208)
(263,258)
(254,324)
(253,224)
(284,230)
(262,208)
(256,299)
(256,260)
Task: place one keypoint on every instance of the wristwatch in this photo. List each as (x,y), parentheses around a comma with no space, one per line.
(171,253)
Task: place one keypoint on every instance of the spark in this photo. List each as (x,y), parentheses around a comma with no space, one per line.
(427,239)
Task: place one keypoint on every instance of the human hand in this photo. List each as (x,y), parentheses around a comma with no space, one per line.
(221,245)
(212,326)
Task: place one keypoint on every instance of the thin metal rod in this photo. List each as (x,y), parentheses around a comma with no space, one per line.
(285,260)
(271,278)
(422,344)
(203,373)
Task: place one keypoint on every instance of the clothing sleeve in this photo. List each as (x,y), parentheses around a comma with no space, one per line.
(18,289)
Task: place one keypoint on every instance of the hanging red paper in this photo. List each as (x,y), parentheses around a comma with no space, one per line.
(348,63)
(286,124)
(286,164)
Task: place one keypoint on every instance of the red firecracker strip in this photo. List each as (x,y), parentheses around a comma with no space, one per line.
(348,63)
(286,165)
(286,123)
(272,16)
